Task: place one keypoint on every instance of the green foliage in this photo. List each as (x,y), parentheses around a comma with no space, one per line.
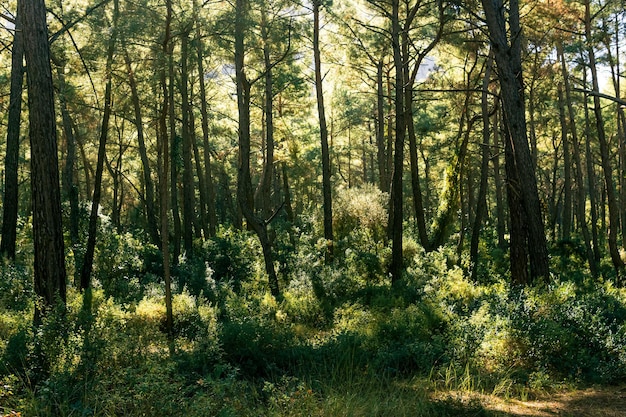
(16,287)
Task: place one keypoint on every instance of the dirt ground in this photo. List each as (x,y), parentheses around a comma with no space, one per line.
(591,402)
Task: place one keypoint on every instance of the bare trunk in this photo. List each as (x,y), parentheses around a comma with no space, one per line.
(11,159)
(85,276)
(326,173)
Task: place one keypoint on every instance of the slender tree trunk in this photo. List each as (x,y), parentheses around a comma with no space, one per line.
(614,64)
(188,180)
(208,169)
(204,223)
(165,158)
(245,194)
(49,263)
(396,266)
(497,179)
(175,156)
(326,173)
(69,190)
(578,167)
(264,189)
(481,204)
(613,207)
(149,199)
(85,275)
(11,159)
(566,225)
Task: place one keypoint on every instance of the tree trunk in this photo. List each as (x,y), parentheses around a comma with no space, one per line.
(175,156)
(264,189)
(613,207)
(208,171)
(149,199)
(396,266)
(326,184)
(245,195)
(497,179)
(188,180)
(580,188)
(49,263)
(167,50)
(566,225)
(85,276)
(509,64)
(69,190)
(11,159)
(481,203)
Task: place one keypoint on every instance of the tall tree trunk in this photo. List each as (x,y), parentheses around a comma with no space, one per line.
(49,264)
(326,184)
(85,275)
(208,168)
(396,266)
(167,50)
(580,185)
(566,225)
(69,190)
(613,207)
(481,203)
(497,179)
(11,159)
(614,64)
(175,157)
(264,189)
(509,64)
(245,195)
(149,199)
(188,180)
(202,188)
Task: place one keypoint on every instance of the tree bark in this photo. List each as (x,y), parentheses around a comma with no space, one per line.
(580,185)
(85,275)
(208,168)
(188,178)
(481,203)
(49,263)
(397,266)
(165,157)
(613,207)
(245,195)
(149,199)
(11,159)
(326,172)
(507,52)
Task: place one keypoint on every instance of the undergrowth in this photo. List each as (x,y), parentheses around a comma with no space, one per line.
(339,342)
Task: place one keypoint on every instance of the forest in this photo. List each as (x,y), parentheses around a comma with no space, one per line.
(312,208)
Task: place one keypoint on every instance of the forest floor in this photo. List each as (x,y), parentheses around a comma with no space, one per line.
(591,402)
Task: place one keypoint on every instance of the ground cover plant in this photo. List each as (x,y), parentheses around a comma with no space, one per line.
(341,341)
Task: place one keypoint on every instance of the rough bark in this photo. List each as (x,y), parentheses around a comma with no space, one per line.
(49,263)
(11,159)
(507,53)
